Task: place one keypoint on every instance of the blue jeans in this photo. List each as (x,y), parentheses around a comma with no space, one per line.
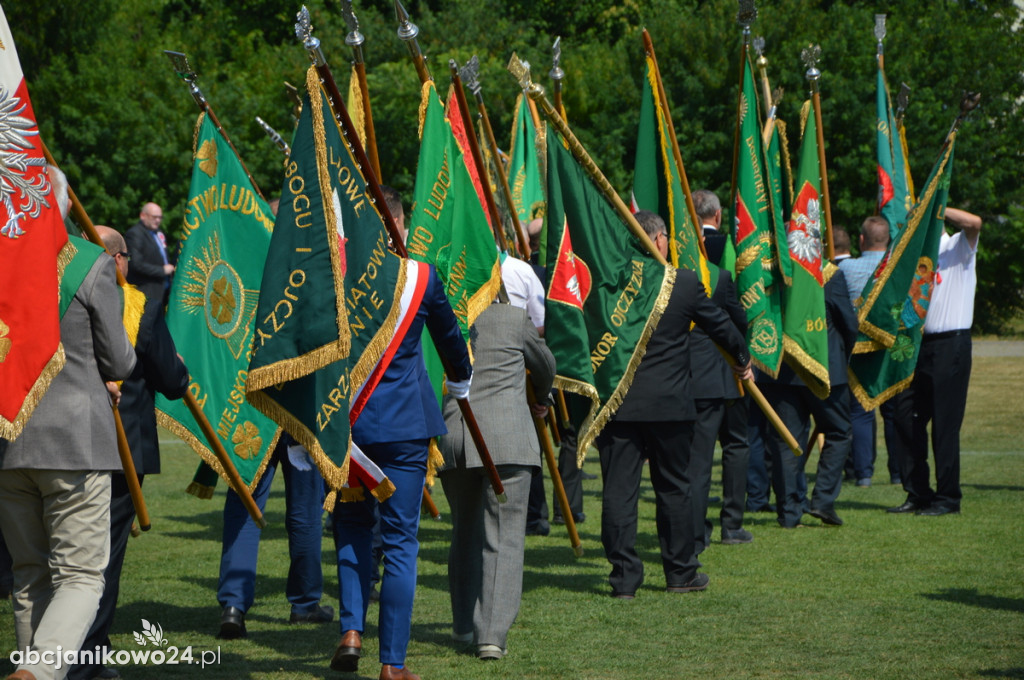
(405,464)
(304,498)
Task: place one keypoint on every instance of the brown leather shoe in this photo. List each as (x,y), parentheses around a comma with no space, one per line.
(388,672)
(21,675)
(346,656)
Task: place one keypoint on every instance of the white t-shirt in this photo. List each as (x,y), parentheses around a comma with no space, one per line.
(524,288)
(952,305)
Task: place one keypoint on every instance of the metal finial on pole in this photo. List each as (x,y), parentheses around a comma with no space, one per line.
(275,136)
(304,32)
(556,73)
(354,39)
(407,32)
(470,74)
(880,31)
(185,72)
(810,55)
(745,16)
(968,102)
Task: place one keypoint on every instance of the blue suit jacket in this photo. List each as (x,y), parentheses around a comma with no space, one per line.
(403,406)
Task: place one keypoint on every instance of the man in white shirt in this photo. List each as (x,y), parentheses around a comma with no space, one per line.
(939,390)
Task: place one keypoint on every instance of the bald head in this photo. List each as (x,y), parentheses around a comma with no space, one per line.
(115,245)
(874,233)
(533,230)
(151,216)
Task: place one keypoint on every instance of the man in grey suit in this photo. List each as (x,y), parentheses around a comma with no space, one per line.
(55,477)
(485,561)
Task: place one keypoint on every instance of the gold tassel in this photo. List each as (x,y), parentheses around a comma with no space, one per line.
(330,500)
(134,305)
(434,461)
(200,490)
(384,490)
(351,494)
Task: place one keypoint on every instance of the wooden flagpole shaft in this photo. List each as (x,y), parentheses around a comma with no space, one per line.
(131,477)
(584,159)
(524,244)
(563,410)
(123,450)
(429,505)
(556,477)
(816,102)
(553,424)
(474,148)
(649,47)
(234,479)
(371,134)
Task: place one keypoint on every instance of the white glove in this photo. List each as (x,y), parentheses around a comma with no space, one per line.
(459,388)
(299,458)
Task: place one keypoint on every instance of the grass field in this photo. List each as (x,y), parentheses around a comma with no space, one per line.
(882,597)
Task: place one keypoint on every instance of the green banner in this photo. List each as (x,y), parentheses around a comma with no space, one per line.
(901,289)
(329,304)
(755,282)
(658,179)
(448,227)
(894,198)
(525,169)
(212,308)
(605,292)
(805,334)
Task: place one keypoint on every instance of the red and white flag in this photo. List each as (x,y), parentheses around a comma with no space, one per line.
(31,237)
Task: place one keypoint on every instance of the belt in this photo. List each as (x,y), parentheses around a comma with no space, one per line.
(947,334)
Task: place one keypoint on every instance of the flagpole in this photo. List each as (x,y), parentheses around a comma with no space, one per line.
(407,32)
(181,66)
(304,31)
(649,48)
(474,149)
(470,76)
(810,56)
(355,40)
(536,92)
(123,450)
(744,17)
(556,477)
(557,75)
(275,136)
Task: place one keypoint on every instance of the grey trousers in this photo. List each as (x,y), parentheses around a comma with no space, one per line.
(485,561)
(57,527)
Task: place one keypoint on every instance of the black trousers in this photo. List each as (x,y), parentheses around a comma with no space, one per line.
(122,513)
(623,447)
(795,404)
(572,476)
(938,394)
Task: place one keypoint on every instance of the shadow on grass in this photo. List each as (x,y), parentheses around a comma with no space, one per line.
(1002,673)
(972,597)
(993,487)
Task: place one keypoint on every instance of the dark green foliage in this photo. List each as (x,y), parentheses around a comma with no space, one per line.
(120,122)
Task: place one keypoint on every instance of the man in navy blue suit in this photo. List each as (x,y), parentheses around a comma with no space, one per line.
(394,429)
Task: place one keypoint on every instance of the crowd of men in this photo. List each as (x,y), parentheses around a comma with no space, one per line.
(67,512)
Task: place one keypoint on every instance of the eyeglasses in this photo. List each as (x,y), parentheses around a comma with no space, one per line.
(126,256)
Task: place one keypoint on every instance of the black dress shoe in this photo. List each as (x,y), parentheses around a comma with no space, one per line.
(232,624)
(322,614)
(827,516)
(909,506)
(697,583)
(935,510)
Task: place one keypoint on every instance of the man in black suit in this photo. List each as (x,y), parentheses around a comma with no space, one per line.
(158,368)
(655,421)
(150,269)
(709,212)
(721,415)
(795,404)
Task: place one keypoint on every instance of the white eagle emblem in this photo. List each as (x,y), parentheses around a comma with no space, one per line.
(804,240)
(15,185)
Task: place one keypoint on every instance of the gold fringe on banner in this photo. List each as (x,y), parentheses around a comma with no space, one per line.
(200,490)
(594,423)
